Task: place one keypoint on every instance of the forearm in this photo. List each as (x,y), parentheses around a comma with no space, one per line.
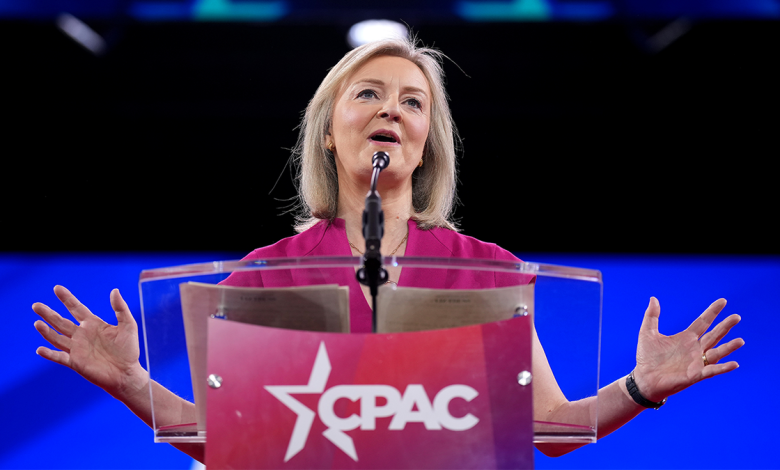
(614,406)
(169,409)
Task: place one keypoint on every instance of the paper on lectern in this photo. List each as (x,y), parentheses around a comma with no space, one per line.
(403,309)
(314,308)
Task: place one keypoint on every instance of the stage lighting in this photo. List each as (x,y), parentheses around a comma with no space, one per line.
(374,30)
(81,33)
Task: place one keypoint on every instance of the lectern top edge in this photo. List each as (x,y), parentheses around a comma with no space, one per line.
(228,266)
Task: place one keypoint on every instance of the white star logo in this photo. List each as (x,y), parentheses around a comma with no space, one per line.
(319,377)
(414,405)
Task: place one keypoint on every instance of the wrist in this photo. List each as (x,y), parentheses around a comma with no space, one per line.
(636,394)
(135,382)
(646,387)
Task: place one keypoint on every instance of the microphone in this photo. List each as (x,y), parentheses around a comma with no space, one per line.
(381,160)
(373,216)
(372,274)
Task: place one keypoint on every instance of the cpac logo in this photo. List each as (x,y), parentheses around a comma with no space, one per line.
(434,416)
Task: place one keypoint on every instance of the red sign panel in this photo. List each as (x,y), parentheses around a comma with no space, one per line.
(432,399)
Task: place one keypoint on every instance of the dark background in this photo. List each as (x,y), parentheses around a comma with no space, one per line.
(577,137)
(588,139)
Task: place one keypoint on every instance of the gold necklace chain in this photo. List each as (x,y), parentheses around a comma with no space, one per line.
(396,248)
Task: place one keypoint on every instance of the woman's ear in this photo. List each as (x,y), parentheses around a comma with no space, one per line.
(328,132)
(327,141)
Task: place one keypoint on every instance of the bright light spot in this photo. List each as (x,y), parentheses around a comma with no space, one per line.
(81,33)
(375,30)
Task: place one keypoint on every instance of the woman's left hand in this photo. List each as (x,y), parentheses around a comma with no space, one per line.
(666,365)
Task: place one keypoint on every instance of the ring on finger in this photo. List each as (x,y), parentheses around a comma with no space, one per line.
(704,358)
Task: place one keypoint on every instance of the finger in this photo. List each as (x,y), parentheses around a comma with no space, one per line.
(716,369)
(711,338)
(123,315)
(57,340)
(701,324)
(60,357)
(716,354)
(79,311)
(63,325)
(650,322)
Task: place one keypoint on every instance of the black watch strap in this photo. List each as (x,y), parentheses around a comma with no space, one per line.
(633,390)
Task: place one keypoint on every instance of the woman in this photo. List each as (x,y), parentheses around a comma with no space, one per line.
(388,96)
(385,96)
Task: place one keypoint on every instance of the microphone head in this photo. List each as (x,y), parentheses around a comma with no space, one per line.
(381,160)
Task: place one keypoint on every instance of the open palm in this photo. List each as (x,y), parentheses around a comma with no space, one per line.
(104,354)
(669,364)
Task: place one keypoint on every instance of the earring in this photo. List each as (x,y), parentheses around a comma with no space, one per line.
(330,146)
(419,165)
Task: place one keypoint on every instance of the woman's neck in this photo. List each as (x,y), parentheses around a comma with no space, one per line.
(396,205)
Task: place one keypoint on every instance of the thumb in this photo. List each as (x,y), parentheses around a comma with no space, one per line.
(123,315)
(650,322)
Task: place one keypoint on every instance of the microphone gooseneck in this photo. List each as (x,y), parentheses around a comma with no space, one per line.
(372,274)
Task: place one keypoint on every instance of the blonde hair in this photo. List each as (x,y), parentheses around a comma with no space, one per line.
(433,184)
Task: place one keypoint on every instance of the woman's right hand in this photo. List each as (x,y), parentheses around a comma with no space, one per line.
(104,354)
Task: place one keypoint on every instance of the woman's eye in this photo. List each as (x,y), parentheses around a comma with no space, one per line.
(413,102)
(367,94)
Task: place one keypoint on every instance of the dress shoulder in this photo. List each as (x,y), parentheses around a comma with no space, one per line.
(310,242)
(464,246)
(302,244)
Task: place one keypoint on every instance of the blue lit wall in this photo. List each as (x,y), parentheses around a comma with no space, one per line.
(55,419)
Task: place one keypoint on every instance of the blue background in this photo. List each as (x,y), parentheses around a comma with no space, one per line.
(55,419)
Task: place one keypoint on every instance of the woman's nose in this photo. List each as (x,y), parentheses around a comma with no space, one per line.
(390,111)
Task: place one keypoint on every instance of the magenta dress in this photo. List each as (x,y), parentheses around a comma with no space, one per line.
(330,239)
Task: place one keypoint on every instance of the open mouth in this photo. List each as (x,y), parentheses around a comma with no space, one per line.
(384,137)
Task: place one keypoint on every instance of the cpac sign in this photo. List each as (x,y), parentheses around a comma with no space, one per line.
(413,406)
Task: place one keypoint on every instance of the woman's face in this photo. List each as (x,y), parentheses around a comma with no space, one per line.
(385,105)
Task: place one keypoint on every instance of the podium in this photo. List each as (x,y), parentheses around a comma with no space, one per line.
(447,382)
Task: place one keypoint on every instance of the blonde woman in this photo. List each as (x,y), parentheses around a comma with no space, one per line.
(389,96)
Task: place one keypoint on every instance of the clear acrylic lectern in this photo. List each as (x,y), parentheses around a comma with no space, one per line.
(472,319)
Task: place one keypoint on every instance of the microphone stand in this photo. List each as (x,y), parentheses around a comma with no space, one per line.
(372,274)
